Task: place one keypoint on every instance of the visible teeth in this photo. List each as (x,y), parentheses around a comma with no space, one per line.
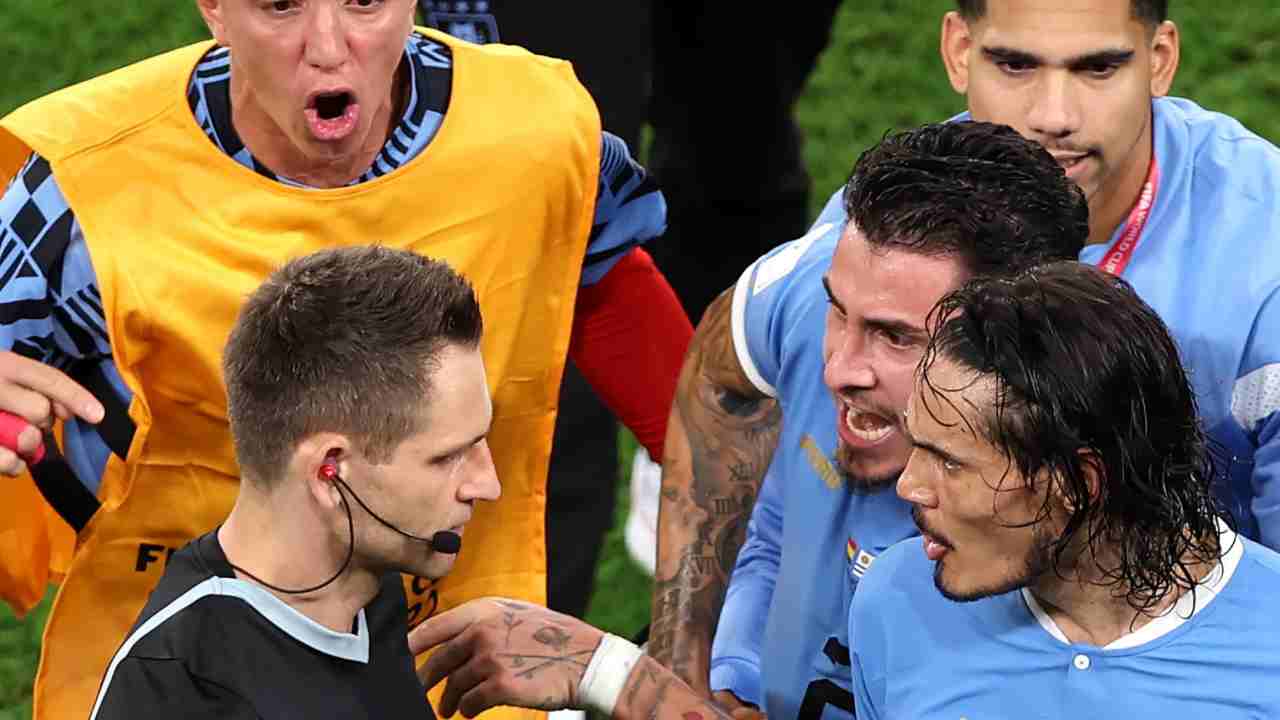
(878,431)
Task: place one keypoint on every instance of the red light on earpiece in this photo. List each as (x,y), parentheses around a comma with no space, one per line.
(329,471)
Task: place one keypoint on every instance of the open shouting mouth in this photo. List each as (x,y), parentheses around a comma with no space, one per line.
(332,114)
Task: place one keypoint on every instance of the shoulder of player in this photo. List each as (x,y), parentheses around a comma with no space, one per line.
(1259,565)
(1239,622)
(92,112)
(1227,161)
(793,270)
(900,573)
(1243,602)
(777,303)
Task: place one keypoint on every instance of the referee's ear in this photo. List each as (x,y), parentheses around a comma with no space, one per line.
(316,462)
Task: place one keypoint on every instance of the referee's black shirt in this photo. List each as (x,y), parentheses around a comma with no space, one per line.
(208,645)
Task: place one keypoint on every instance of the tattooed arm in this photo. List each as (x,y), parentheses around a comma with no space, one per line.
(720,439)
(505,652)
(653,692)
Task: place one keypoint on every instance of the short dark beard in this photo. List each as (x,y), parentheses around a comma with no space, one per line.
(862,484)
(1038,561)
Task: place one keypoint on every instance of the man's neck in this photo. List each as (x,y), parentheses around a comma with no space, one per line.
(293,549)
(273,148)
(1085,605)
(1111,205)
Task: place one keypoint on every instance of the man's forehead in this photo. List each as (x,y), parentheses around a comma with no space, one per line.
(905,281)
(1058,28)
(948,402)
(459,405)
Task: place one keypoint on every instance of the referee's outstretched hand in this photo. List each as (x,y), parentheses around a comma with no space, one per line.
(496,651)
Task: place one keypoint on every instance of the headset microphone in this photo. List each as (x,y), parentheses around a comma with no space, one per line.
(446,542)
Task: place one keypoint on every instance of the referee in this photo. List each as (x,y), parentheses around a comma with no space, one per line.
(359,409)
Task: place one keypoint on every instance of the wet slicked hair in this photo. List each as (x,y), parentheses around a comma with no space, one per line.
(976,191)
(1087,378)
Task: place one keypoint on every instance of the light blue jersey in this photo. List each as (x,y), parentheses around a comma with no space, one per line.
(795,578)
(1208,261)
(918,655)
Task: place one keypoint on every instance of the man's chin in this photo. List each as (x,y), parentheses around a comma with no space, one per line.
(946,583)
(439,566)
(970,594)
(862,476)
(432,566)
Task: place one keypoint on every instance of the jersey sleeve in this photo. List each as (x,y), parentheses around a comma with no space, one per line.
(50,307)
(761,294)
(630,209)
(1255,404)
(739,640)
(164,688)
(629,338)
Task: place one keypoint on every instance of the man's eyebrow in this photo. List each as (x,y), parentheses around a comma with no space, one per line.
(1110,56)
(900,327)
(934,450)
(831,297)
(1106,56)
(998,53)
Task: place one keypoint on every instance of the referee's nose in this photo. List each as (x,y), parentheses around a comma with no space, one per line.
(481,482)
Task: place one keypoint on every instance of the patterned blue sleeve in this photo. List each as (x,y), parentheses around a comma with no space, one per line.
(50,307)
(630,210)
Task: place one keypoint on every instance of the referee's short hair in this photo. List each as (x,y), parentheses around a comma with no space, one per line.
(344,340)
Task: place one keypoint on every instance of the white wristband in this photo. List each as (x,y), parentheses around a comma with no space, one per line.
(606,674)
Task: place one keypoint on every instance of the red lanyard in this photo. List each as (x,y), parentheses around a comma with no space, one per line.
(1118,255)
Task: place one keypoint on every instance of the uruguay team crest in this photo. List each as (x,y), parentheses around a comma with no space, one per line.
(470,21)
(859,560)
